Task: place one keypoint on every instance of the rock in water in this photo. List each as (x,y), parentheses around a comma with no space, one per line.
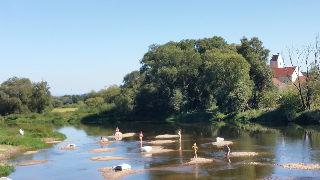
(123,167)
(146,149)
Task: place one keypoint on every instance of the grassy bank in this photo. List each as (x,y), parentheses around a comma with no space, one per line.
(9,135)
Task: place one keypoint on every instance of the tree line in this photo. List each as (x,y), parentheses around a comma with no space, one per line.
(177,77)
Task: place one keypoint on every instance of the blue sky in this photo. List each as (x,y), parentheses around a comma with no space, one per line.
(89,45)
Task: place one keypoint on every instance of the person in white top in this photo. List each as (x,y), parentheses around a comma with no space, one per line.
(21,131)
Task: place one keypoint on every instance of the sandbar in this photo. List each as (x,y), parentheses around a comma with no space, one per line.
(123,135)
(101,150)
(167,136)
(30,152)
(105,142)
(51,141)
(32,163)
(107,158)
(161,141)
(67,147)
(199,160)
(238,154)
(157,149)
(109,173)
(302,166)
(222,143)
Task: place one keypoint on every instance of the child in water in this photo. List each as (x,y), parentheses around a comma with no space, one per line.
(228,151)
(195,150)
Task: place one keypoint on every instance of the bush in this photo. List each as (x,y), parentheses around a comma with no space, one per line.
(5,170)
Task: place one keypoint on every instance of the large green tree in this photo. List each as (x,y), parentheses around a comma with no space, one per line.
(15,96)
(21,96)
(256,55)
(226,82)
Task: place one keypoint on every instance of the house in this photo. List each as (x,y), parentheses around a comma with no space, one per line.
(284,74)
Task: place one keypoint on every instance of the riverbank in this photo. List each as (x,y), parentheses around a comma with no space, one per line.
(12,143)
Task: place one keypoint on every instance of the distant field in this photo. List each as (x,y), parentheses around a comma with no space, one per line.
(64,109)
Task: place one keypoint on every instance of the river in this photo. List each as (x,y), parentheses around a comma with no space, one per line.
(276,146)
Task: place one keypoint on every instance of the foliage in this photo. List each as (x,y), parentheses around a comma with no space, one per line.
(5,170)
(21,96)
(94,102)
(257,56)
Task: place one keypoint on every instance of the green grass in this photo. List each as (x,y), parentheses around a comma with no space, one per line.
(62,110)
(31,138)
(5,170)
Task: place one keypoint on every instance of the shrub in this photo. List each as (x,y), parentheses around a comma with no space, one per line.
(5,170)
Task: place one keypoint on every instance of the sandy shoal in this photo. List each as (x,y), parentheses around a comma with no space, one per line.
(105,142)
(157,149)
(30,152)
(109,173)
(123,135)
(101,150)
(167,136)
(238,154)
(107,158)
(222,143)
(161,141)
(7,151)
(51,141)
(32,163)
(199,160)
(67,147)
(302,166)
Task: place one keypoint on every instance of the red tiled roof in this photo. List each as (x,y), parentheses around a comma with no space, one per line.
(277,82)
(302,78)
(283,72)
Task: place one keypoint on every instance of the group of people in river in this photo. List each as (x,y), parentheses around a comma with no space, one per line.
(194,147)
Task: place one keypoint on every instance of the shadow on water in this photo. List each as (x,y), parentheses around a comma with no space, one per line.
(276,145)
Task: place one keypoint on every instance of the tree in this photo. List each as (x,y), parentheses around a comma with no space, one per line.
(41,97)
(15,96)
(308,87)
(110,93)
(94,102)
(257,56)
(227,80)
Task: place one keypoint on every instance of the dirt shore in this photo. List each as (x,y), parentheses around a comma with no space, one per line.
(107,158)
(32,163)
(101,150)
(302,166)
(198,160)
(161,141)
(222,143)
(6,151)
(157,149)
(30,152)
(167,136)
(109,173)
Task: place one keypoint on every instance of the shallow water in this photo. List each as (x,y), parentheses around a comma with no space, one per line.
(280,146)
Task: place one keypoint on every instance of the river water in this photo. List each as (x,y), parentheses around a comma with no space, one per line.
(281,145)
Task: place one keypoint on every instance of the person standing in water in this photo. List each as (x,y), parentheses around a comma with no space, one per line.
(228,151)
(195,150)
(140,136)
(179,134)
